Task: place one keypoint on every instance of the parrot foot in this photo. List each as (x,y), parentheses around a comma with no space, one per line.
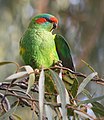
(36,71)
(58,63)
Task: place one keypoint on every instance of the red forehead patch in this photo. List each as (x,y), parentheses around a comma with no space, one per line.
(40,20)
(53,19)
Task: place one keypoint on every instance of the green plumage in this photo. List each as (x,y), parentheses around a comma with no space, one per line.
(39,47)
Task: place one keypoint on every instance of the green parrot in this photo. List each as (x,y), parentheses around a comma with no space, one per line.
(39,47)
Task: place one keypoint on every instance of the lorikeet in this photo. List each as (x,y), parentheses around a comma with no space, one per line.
(39,47)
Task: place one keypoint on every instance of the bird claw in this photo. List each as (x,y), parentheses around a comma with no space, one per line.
(36,71)
(58,63)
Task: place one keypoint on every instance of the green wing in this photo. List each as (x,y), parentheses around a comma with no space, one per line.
(64,52)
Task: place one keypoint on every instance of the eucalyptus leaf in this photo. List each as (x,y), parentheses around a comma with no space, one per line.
(8,62)
(31,80)
(17,117)
(48,112)
(98,109)
(86,81)
(16,75)
(87,93)
(9,113)
(29,69)
(41,93)
(91,100)
(83,114)
(67,95)
(88,66)
(62,93)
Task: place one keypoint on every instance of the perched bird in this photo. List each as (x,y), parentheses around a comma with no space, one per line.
(39,47)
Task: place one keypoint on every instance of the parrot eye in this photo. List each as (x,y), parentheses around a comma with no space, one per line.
(52,20)
(49,20)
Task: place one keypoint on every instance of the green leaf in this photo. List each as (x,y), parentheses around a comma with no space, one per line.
(98,109)
(88,66)
(16,75)
(9,62)
(62,93)
(74,87)
(41,93)
(67,95)
(86,81)
(17,117)
(60,74)
(86,92)
(28,68)
(83,114)
(48,112)
(91,100)
(31,80)
(9,113)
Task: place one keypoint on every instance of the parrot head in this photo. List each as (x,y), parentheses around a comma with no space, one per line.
(45,21)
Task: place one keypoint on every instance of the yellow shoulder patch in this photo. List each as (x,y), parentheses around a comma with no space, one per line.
(54,36)
(22,50)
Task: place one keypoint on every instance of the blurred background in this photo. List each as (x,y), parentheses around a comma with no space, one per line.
(81,22)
